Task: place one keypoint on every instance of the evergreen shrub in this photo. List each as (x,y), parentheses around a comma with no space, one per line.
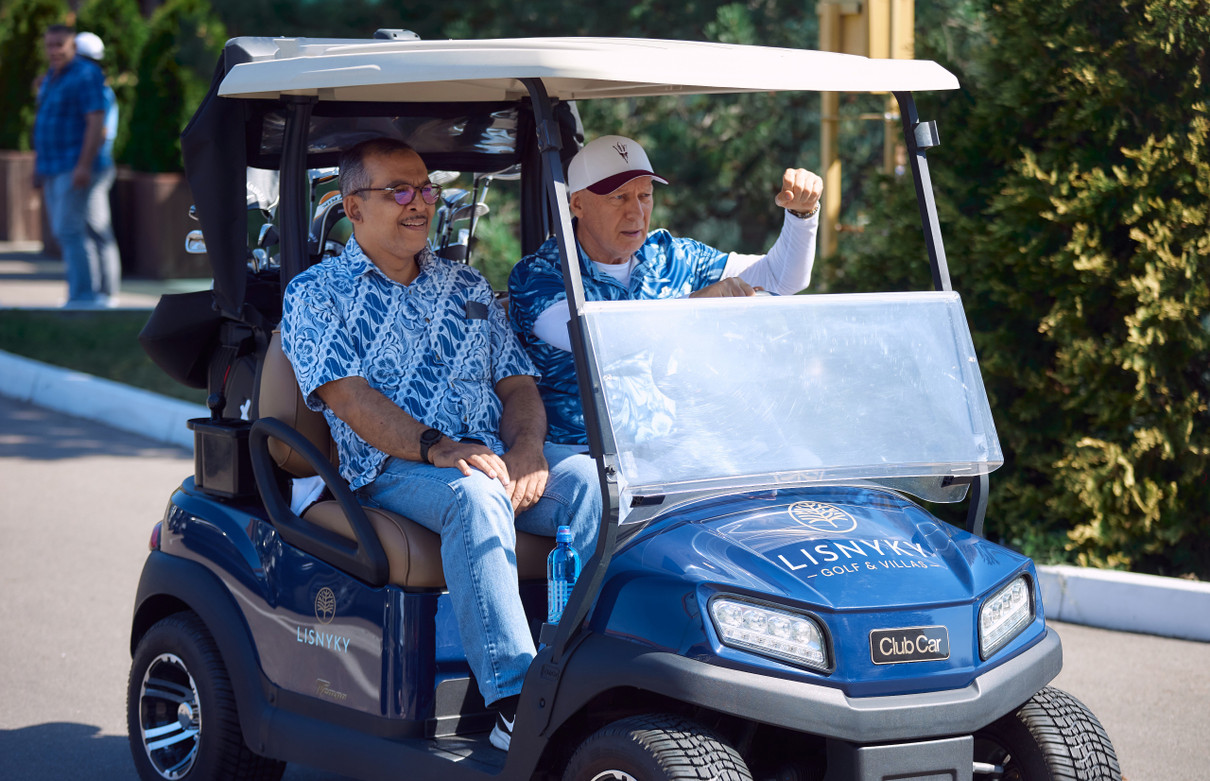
(184,40)
(23,24)
(1073,183)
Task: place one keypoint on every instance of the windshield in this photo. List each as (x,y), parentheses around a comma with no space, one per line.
(730,393)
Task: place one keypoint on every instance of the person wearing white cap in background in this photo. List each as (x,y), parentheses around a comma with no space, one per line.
(91,47)
(612,191)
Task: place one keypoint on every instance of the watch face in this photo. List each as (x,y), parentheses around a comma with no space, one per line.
(429,438)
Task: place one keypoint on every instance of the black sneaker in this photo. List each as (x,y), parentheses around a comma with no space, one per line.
(506,716)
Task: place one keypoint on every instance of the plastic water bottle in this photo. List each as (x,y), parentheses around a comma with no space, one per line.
(562,570)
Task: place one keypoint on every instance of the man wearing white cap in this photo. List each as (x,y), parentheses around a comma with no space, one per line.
(611,186)
(91,47)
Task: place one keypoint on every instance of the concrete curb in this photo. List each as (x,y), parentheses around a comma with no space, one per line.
(1127,601)
(84,396)
(1101,598)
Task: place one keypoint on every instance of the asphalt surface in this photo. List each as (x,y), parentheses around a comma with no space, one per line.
(77,504)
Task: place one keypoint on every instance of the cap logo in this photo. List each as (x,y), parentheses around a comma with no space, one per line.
(620,148)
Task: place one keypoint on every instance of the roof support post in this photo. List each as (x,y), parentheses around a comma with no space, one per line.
(294,205)
(600,439)
(919,137)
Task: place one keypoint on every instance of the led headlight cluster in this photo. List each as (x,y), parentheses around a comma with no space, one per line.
(770,631)
(1004,616)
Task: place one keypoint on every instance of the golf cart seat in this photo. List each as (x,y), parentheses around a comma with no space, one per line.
(413,553)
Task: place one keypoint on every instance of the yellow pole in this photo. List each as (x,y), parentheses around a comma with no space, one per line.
(870,28)
(830,33)
(901,46)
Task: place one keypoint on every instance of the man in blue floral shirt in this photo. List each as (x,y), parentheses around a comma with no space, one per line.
(611,188)
(433,407)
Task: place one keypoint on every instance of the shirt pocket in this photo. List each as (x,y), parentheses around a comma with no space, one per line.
(464,345)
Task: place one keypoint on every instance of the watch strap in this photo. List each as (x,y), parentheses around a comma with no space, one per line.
(428,438)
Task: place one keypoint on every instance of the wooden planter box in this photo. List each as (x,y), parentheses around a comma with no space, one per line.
(20,201)
(151,218)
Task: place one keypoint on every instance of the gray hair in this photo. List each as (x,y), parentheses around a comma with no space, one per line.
(353,175)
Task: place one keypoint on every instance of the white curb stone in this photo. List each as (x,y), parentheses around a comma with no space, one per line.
(1127,601)
(74,393)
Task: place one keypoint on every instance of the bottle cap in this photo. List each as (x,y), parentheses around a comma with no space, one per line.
(563,534)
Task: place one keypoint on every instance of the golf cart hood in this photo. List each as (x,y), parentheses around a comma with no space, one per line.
(855,560)
(829,548)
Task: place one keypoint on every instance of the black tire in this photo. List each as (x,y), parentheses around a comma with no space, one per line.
(180,710)
(1052,737)
(655,747)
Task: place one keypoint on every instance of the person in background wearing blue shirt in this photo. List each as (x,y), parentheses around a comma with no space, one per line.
(611,194)
(433,407)
(74,165)
(92,48)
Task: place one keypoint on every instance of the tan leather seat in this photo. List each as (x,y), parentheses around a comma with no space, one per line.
(413,552)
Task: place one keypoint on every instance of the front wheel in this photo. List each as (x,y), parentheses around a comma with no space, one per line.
(180,710)
(656,747)
(1051,737)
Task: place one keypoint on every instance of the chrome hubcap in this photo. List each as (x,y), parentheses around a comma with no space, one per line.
(613,775)
(169,716)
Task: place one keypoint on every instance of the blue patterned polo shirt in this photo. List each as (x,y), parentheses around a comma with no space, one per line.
(667,267)
(436,347)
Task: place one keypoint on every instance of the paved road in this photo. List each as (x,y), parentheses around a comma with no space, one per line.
(77,504)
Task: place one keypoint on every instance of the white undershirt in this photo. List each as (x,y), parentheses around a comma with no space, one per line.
(785,269)
(619,271)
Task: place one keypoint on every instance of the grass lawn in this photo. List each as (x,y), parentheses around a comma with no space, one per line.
(104,344)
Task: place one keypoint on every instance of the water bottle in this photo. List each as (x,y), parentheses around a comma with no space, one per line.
(562,570)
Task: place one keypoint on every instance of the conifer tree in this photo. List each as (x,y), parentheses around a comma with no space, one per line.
(1074,180)
(184,40)
(23,25)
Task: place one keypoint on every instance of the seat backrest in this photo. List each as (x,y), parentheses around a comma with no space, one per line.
(281,398)
(413,552)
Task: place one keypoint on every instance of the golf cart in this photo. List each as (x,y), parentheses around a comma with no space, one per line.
(767,600)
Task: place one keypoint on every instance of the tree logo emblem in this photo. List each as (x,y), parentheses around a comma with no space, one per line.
(822,518)
(325,605)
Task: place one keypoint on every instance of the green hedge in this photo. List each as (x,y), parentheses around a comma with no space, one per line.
(184,40)
(1073,183)
(22,26)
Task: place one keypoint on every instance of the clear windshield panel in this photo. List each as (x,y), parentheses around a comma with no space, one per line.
(877,388)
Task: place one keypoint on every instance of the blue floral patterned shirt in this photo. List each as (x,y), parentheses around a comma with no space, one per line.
(436,347)
(667,267)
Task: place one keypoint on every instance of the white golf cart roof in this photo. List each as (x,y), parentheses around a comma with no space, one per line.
(570,68)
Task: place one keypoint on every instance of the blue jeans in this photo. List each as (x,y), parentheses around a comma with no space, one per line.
(83,226)
(478,548)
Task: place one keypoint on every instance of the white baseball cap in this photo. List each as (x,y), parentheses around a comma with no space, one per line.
(90,45)
(606,164)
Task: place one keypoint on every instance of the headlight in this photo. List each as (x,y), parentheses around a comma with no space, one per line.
(1004,616)
(770,631)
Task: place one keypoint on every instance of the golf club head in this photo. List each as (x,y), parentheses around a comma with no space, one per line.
(466,212)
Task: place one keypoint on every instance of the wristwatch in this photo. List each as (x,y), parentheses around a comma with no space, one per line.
(429,438)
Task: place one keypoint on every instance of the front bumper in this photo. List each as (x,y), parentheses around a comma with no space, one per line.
(809,707)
